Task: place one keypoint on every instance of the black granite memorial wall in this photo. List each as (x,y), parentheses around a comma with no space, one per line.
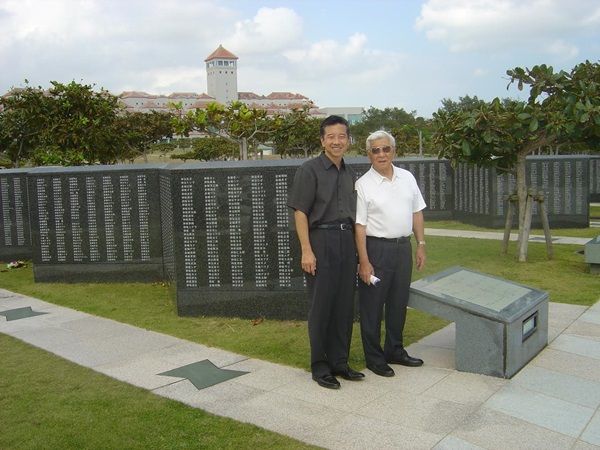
(595,179)
(96,223)
(15,236)
(229,240)
(480,193)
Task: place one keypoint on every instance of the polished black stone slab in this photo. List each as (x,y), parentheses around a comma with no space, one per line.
(96,223)
(15,236)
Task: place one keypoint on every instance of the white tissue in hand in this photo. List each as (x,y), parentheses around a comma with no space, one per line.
(374,280)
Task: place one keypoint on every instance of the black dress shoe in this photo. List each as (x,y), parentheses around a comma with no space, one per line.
(327,381)
(349,374)
(406,360)
(383,370)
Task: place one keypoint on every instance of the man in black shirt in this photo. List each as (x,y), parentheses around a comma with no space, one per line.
(324,204)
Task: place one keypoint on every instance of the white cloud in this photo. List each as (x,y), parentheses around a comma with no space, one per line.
(270,30)
(468,25)
(480,72)
(562,50)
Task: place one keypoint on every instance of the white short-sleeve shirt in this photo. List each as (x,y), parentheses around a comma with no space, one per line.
(386,206)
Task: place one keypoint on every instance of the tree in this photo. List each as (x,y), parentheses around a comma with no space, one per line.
(236,123)
(410,131)
(464,103)
(562,108)
(142,129)
(210,148)
(82,126)
(296,134)
(22,120)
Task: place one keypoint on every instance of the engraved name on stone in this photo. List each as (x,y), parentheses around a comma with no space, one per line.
(486,190)
(500,182)
(92,218)
(109,219)
(76,230)
(568,185)
(143,217)
(533,182)
(284,260)
(59,220)
(126,231)
(4,197)
(188,213)
(212,231)
(433,203)
(234,202)
(259,227)
(43,219)
(579,182)
(19,222)
(443,185)
(556,188)
(476,190)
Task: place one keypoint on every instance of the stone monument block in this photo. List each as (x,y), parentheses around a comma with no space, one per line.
(500,325)
(592,254)
(96,223)
(15,236)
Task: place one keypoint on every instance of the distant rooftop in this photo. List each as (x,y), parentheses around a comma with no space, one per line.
(221,53)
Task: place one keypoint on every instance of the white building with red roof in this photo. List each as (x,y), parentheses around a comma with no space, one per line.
(221,75)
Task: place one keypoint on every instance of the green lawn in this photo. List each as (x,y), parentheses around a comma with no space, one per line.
(50,403)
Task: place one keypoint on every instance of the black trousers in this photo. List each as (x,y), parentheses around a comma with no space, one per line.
(392,264)
(331,297)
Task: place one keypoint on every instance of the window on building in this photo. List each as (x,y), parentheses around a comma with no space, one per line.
(220,63)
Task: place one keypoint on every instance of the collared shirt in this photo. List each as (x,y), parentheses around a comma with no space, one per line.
(324,193)
(386,206)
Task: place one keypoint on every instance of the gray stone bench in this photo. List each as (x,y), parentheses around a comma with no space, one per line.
(500,325)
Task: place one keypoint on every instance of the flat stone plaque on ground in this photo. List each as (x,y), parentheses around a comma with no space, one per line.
(500,325)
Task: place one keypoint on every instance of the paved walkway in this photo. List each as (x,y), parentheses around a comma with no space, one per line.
(553,403)
(499,235)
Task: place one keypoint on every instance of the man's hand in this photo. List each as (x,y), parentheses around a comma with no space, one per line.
(365,270)
(309,262)
(420,257)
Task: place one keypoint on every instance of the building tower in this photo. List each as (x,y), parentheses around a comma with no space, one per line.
(221,75)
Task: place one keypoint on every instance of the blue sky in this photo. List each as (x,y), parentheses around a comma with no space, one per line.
(406,53)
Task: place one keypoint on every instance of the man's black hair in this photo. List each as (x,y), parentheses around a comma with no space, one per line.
(334,120)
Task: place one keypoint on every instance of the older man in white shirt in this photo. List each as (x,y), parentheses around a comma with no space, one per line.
(389,209)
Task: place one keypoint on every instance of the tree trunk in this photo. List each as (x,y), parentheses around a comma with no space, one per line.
(522,196)
(244,148)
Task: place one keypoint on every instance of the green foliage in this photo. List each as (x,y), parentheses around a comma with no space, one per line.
(22,121)
(562,108)
(236,122)
(140,130)
(209,148)
(296,134)
(404,126)
(68,124)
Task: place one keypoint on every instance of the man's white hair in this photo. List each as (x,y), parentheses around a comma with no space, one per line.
(380,134)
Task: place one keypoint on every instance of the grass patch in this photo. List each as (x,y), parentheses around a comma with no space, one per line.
(594,212)
(569,232)
(48,402)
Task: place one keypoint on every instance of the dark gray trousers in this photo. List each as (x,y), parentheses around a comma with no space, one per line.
(331,297)
(392,264)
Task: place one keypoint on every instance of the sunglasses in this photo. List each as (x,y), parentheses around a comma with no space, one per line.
(377,150)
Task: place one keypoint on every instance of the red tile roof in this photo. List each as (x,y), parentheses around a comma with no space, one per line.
(221,53)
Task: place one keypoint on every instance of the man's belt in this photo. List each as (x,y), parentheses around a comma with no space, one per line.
(335,226)
(398,240)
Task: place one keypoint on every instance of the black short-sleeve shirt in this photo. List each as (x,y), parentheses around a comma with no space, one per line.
(324,193)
